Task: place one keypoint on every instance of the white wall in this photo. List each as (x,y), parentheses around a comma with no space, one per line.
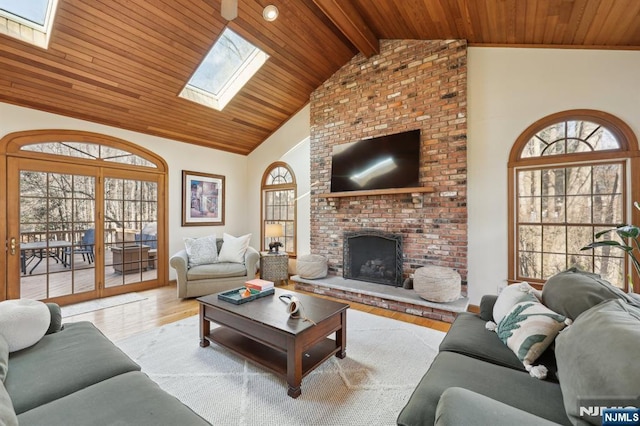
(509,89)
(179,156)
(290,143)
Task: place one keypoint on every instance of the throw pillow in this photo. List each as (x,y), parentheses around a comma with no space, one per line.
(598,359)
(4,358)
(509,296)
(23,322)
(234,248)
(202,250)
(528,329)
(7,413)
(573,291)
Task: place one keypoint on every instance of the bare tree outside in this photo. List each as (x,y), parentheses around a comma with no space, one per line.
(559,209)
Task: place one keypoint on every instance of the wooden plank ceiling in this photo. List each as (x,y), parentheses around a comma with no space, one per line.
(123,63)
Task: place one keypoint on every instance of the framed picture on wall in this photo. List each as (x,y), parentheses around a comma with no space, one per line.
(202,199)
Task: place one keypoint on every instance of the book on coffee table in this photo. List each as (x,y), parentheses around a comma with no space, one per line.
(259,284)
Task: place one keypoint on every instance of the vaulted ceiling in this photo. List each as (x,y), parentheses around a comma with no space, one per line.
(123,63)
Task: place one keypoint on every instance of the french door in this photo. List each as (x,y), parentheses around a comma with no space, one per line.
(79,232)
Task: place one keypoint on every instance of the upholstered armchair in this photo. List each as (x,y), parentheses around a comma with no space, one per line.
(211,278)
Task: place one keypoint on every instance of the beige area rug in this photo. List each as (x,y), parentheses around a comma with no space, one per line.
(385,361)
(96,305)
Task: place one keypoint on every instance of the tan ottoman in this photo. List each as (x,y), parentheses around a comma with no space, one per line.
(437,283)
(312,266)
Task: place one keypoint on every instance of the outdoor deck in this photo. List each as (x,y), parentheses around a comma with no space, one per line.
(64,281)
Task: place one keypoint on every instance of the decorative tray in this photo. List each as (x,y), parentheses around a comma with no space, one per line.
(233,296)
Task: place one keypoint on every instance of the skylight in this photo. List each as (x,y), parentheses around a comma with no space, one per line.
(228,66)
(28,20)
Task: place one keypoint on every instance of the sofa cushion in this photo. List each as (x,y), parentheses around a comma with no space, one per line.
(511,387)
(528,329)
(572,292)
(128,399)
(468,336)
(201,251)
(597,357)
(487,303)
(23,322)
(7,413)
(462,407)
(216,270)
(61,363)
(234,248)
(56,318)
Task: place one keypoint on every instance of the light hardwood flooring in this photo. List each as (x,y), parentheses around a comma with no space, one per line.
(161,306)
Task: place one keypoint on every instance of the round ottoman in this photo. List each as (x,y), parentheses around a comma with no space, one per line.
(312,266)
(437,283)
(23,322)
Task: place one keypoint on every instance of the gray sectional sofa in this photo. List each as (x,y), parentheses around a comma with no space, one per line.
(76,376)
(477,380)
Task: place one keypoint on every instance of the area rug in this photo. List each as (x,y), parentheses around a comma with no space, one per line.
(385,361)
(96,305)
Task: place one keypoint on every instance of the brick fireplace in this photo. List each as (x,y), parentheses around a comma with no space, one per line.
(411,84)
(374,256)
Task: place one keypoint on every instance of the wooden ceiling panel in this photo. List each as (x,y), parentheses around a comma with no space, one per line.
(123,63)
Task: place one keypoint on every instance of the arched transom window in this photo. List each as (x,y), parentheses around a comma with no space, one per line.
(279,205)
(568,179)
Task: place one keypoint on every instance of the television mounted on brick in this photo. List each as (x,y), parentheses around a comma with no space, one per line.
(383,162)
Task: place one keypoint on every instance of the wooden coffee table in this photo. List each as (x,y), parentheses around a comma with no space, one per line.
(262,332)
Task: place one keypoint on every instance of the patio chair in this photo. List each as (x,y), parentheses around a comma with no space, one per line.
(85,247)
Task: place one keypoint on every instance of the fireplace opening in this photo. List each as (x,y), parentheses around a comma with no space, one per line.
(373,256)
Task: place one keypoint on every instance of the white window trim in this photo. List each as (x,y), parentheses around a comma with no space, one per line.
(237,81)
(27,31)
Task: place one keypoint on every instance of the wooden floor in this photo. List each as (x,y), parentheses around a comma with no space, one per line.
(161,306)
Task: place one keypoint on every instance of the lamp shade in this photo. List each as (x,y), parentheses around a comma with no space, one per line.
(273,230)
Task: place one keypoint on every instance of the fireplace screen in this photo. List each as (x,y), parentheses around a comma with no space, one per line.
(373,256)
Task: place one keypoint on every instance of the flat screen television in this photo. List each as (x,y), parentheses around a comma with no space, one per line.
(383,162)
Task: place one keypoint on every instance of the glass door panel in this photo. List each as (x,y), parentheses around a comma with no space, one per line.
(56,221)
(130,237)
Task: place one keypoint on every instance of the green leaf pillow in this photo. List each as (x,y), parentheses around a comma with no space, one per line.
(528,329)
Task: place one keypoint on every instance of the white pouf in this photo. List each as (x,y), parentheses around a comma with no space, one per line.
(312,266)
(23,322)
(437,283)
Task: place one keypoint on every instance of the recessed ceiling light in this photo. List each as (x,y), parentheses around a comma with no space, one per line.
(270,13)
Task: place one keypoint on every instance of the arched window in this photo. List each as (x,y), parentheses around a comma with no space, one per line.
(568,179)
(279,191)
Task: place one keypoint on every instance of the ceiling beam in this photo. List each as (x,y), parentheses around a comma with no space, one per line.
(345,16)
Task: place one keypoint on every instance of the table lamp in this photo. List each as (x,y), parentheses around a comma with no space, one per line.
(274,230)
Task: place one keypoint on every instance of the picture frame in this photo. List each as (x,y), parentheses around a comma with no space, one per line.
(203,197)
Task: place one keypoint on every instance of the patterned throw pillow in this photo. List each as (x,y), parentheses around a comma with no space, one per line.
(528,329)
(509,296)
(201,251)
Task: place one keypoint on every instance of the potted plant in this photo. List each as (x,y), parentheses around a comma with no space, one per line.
(628,234)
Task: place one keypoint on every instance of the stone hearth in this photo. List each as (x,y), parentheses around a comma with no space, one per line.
(382,296)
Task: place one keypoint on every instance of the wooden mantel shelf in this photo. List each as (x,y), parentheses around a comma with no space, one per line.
(376,192)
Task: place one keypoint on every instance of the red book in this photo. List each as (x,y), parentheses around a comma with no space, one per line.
(258,284)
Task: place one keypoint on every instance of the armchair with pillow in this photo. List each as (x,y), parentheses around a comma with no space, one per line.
(210,265)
